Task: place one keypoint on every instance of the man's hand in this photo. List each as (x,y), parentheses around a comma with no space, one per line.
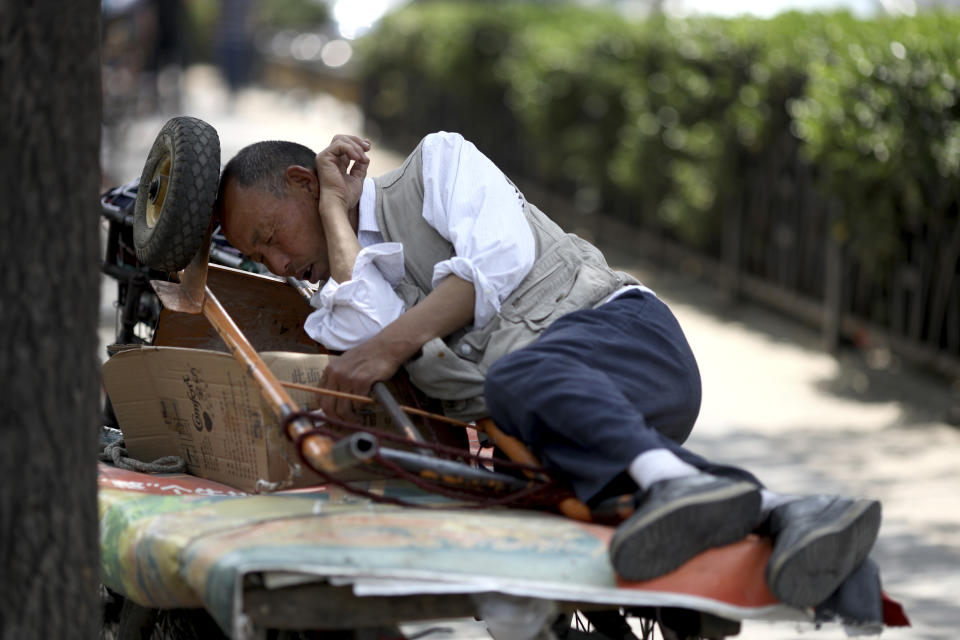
(447,308)
(340,187)
(341,184)
(355,372)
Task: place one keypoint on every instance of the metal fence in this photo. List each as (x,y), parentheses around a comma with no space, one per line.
(777,247)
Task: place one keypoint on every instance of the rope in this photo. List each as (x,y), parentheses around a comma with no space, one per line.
(446,450)
(548,493)
(115,453)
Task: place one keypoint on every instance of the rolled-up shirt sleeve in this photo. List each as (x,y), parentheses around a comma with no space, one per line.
(350,313)
(470,202)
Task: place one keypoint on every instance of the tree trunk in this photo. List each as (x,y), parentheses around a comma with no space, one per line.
(49,184)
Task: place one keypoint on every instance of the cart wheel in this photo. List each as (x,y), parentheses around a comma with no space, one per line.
(176,194)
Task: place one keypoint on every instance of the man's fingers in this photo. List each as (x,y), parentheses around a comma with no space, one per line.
(359,169)
(341,156)
(354,372)
(354,147)
(335,407)
(343,162)
(344,409)
(325,402)
(326,405)
(356,141)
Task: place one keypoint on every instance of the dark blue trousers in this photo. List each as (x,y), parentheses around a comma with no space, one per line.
(598,388)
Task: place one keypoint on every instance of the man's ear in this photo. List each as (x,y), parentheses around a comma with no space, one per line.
(302,178)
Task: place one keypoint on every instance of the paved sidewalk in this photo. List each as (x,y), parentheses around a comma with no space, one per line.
(773,401)
(806,422)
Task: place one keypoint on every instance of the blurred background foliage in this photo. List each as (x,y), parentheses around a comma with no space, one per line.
(816,153)
(202,19)
(293,14)
(670,122)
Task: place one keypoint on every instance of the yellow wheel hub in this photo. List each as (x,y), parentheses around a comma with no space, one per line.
(158,192)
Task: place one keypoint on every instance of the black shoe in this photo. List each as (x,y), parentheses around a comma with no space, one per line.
(679,518)
(817,542)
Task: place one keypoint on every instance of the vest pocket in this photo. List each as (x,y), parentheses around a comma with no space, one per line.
(536,297)
(442,374)
(562,289)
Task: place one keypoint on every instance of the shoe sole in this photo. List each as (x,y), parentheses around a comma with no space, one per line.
(822,559)
(650,544)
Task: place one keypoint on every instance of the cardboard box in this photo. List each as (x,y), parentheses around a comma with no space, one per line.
(201,405)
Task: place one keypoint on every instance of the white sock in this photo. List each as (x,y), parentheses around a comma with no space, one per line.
(658,464)
(770,500)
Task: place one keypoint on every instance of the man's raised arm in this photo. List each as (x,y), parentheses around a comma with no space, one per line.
(340,188)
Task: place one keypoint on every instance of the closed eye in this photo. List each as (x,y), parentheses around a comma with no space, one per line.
(258,257)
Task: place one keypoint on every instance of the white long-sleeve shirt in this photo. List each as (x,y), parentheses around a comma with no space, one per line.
(471,204)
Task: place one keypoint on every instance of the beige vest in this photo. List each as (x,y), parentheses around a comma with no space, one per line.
(568,274)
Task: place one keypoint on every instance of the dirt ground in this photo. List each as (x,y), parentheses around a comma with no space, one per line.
(774,402)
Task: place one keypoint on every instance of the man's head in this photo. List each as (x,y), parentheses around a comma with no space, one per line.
(267,204)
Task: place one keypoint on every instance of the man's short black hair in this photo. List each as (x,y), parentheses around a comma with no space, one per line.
(263,165)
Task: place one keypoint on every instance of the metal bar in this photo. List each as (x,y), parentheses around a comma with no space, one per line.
(353,450)
(325,607)
(113,244)
(113,213)
(117,272)
(454,474)
(832,289)
(131,307)
(301,288)
(388,402)
(224,257)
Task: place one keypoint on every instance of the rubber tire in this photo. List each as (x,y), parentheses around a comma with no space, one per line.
(193,148)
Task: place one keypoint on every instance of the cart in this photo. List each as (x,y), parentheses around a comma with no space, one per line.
(370,527)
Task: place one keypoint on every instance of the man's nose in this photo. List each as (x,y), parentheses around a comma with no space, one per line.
(278,263)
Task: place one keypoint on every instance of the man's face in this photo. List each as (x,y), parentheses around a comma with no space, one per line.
(284,233)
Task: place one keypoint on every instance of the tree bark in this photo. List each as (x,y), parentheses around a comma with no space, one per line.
(49,184)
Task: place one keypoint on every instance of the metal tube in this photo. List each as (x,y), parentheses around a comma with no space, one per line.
(300,287)
(220,256)
(131,307)
(117,272)
(454,474)
(388,402)
(353,450)
(115,214)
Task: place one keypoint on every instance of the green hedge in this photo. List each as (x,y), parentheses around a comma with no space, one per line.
(670,123)
(880,118)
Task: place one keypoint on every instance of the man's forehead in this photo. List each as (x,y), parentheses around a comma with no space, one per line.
(244,213)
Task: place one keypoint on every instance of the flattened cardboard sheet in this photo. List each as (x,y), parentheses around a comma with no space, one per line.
(201,405)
